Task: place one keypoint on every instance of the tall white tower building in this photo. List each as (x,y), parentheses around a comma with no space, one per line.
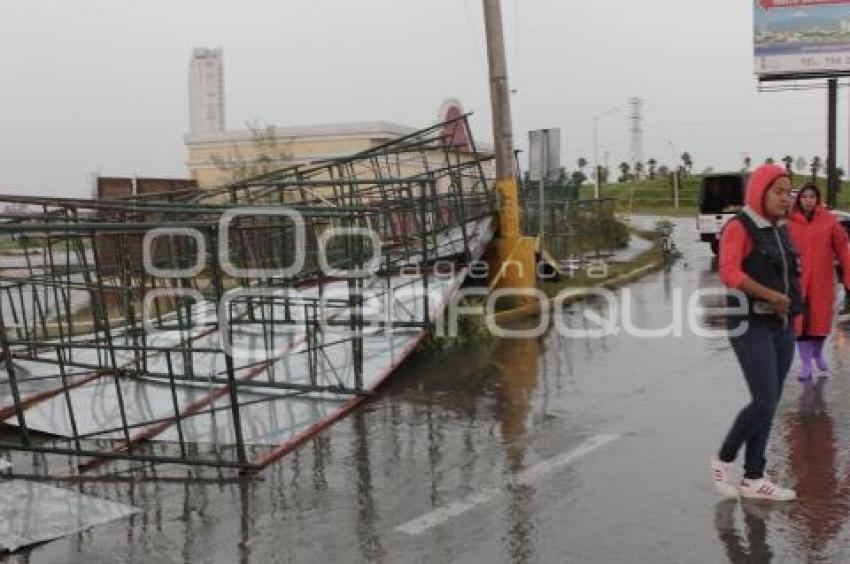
(206,91)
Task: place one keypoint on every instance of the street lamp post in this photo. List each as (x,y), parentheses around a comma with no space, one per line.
(598,183)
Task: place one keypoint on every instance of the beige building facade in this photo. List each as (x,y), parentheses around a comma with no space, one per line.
(215,159)
(216,156)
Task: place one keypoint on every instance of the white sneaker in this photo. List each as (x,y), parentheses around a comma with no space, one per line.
(765,489)
(720,475)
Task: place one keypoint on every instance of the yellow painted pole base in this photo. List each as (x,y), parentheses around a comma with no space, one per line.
(512,263)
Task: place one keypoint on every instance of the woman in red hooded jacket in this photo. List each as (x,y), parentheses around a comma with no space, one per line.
(758,262)
(819,240)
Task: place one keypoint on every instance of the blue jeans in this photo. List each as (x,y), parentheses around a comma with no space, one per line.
(765,352)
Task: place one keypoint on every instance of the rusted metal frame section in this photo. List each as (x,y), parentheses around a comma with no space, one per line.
(77,382)
(151,432)
(424,249)
(37,309)
(13,384)
(218,287)
(105,434)
(211,397)
(59,356)
(424,206)
(144,458)
(297,183)
(291,444)
(167,215)
(192,409)
(124,287)
(198,405)
(100,313)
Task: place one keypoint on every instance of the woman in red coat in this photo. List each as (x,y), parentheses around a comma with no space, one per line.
(819,240)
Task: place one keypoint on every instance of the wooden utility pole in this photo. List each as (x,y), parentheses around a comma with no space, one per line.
(513,257)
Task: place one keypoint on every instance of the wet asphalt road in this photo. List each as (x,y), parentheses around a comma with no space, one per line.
(532,450)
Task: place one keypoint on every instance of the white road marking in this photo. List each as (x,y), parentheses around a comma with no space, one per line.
(525,478)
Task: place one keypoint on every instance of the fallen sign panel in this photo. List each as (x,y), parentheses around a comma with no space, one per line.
(31,513)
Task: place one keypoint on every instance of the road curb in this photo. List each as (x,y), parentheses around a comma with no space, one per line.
(572,295)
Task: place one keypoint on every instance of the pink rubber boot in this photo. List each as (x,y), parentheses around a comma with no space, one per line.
(817,354)
(806,350)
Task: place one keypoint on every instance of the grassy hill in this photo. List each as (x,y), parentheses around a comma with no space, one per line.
(656,196)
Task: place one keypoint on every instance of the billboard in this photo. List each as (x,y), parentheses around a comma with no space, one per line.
(801,37)
(544,154)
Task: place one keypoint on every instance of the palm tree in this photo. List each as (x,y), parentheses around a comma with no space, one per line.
(769,161)
(748,162)
(624,171)
(687,161)
(578,177)
(638,170)
(800,164)
(652,163)
(582,162)
(815,167)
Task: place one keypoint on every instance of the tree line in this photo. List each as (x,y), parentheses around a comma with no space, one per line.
(652,169)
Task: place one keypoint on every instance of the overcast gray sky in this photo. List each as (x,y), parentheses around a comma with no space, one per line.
(101,85)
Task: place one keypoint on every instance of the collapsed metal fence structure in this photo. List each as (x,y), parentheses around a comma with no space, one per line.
(217,327)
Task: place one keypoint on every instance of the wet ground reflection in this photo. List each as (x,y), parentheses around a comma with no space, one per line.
(450,427)
(748,544)
(819,467)
(811,530)
(517,372)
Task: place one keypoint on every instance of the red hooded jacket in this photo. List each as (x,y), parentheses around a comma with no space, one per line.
(735,242)
(818,242)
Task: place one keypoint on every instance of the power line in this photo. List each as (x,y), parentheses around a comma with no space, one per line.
(473,36)
(784,120)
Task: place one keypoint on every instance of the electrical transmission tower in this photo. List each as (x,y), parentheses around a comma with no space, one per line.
(637,130)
